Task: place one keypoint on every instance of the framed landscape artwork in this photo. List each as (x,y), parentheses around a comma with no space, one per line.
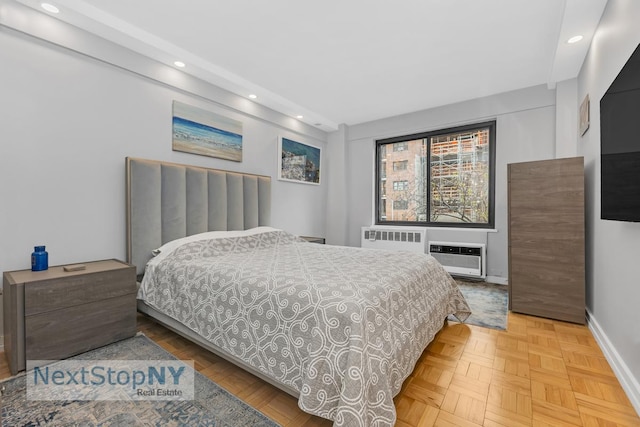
(198,131)
(298,162)
(584,115)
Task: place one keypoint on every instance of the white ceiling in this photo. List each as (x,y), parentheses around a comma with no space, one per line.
(352,61)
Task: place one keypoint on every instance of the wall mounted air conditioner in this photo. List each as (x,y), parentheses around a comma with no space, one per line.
(461,259)
(400,239)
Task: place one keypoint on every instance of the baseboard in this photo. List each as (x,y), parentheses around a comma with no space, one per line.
(628,382)
(498,280)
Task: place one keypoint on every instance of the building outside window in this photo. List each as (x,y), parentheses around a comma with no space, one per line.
(400,185)
(400,204)
(400,166)
(440,178)
(401,146)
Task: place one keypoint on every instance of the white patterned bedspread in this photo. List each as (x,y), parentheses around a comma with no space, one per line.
(344,326)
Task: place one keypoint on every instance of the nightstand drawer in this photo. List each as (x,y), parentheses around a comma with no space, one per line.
(64,333)
(59,293)
(312,239)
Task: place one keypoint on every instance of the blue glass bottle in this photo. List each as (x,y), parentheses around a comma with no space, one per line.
(39,259)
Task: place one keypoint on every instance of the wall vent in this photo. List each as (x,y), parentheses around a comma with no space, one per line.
(393,239)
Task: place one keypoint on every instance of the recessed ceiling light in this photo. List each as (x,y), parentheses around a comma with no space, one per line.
(299,117)
(575,39)
(179,64)
(50,8)
(253,96)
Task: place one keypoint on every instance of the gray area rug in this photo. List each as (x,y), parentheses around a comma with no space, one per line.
(212,405)
(488,303)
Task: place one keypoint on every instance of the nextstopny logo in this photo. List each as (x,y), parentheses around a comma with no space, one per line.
(99,375)
(110,380)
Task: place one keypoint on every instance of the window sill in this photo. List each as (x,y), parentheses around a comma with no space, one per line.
(401,227)
(486,230)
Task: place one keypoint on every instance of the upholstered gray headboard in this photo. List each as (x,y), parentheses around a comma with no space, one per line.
(166,201)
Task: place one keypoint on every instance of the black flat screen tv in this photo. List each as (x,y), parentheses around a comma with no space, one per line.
(620,145)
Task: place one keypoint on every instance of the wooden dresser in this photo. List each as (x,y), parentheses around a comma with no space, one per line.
(546,239)
(55,314)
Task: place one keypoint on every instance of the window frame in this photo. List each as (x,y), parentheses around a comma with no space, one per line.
(491,125)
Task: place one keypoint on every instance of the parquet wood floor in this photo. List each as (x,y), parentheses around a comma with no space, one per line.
(537,373)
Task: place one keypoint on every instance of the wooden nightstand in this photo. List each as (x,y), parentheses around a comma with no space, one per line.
(313,239)
(55,314)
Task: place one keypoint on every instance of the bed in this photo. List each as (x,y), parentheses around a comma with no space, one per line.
(340,328)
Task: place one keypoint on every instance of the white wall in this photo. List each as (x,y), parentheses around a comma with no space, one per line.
(336,168)
(613,284)
(525,131)
(567,118)
(68,121)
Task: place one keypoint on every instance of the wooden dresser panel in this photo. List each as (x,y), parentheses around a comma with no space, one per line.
(63,333)
(58,293)
(546,239)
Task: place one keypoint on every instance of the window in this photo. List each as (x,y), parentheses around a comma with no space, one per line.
(441,178)
(400,166)
(400,185)
(400,146)
(400,204)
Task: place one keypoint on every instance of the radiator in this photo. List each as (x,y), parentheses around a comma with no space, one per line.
(404,239)
(461,259)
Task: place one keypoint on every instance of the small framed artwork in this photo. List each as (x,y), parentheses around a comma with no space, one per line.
(202,132)
(298,162)
(584,115)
